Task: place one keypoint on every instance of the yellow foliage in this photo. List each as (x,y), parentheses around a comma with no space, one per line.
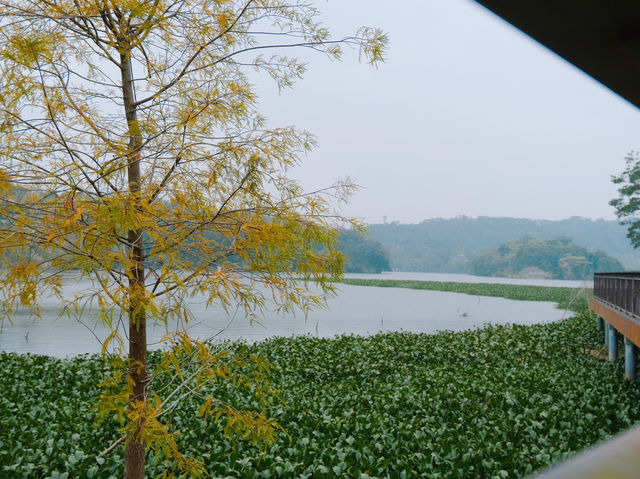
(158,180)
(5,182)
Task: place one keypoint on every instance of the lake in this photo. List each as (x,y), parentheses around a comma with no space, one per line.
(355,310)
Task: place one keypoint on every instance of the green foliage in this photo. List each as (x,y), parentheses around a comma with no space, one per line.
(449,245)
(627,205)
(567,298)
(558,258)
(46,423)
(501,401)
(363,255)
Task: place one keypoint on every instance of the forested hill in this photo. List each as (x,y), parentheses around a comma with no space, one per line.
(449,245)
(551,258)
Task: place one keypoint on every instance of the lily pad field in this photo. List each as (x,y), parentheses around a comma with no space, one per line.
(500,401)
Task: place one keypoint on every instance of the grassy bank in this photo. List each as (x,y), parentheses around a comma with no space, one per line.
(501,401)
(567,298)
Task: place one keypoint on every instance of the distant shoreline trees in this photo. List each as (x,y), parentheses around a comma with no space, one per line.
(552,258)
(363,255)
(442,245)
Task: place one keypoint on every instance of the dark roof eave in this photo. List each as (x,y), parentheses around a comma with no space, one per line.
(600,38)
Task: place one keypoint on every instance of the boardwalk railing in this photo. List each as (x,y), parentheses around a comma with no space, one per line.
(620,290)
(616,301)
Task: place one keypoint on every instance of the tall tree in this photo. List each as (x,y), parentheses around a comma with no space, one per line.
(133,155)
(627,205)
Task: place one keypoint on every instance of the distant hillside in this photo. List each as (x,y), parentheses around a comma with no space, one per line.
(449,245)
(556,258)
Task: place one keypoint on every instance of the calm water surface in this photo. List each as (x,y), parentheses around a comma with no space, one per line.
(356,310)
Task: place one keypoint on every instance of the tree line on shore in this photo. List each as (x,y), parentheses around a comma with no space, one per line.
(465,245)
(555,258)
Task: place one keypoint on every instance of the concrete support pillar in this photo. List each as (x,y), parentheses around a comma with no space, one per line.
(606,334)
(630,353)
(600,323)
(613,343)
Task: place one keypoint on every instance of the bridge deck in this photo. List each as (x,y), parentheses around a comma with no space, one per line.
(623,321)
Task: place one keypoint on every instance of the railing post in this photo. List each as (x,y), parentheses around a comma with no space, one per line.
(630,353)
(613,343)
(627,305)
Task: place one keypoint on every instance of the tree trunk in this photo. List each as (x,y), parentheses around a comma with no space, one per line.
(134,459)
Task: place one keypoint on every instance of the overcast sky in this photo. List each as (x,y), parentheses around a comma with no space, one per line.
(467,117)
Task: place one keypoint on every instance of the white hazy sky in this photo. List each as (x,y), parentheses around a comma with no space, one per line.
(467,117)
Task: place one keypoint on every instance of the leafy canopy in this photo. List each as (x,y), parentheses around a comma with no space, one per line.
(627,205)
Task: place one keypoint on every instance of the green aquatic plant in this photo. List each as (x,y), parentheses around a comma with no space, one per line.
(567,298)
(500,401)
